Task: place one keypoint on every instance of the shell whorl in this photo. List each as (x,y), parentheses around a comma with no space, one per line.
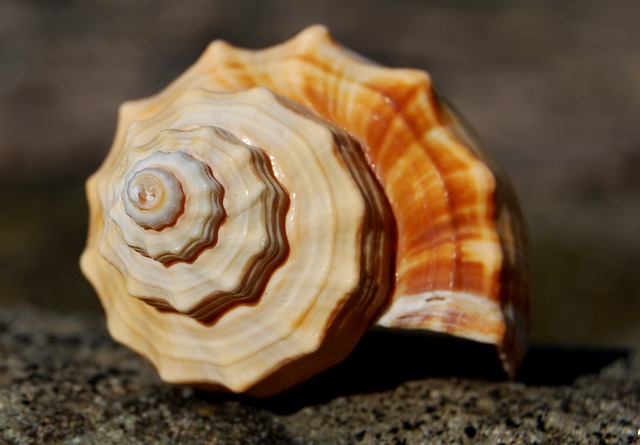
(299,252)
(252,241)
(152,197)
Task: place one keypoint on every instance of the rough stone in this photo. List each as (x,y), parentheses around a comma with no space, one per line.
(64,381)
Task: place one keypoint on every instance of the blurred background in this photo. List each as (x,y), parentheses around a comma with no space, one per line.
(552,88)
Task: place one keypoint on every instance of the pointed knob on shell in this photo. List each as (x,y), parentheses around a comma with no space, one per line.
(256,217)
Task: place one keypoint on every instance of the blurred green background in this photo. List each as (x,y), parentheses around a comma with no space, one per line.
(552,88)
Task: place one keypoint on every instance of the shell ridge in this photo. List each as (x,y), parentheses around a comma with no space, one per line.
(254,282)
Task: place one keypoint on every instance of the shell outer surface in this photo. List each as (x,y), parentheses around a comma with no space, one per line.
(256,217)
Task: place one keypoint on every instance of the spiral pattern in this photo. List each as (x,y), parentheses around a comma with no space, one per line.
(279,253)
(177,170)
(153,198)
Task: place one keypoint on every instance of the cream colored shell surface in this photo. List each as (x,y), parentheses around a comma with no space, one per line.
(241,233)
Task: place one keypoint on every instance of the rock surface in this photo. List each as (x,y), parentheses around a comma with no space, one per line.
(552,88)
(62,380)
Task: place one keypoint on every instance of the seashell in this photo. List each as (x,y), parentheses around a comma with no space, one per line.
(253,220)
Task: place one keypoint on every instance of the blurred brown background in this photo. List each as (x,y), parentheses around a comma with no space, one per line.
(552,88)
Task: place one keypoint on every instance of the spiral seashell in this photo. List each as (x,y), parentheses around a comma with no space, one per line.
(256,217)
